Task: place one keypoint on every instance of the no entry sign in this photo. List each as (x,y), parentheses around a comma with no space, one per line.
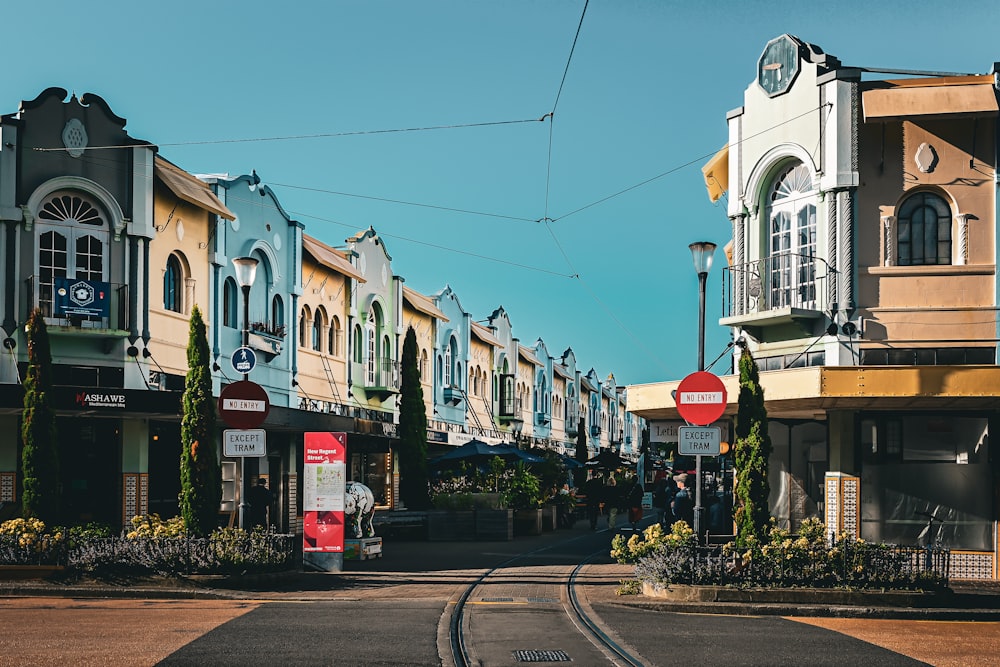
(701,398)
(244,404)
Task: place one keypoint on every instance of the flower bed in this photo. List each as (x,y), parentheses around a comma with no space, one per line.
(152,546)
(786,560)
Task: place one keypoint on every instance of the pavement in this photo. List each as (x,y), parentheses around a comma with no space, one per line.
(411,569)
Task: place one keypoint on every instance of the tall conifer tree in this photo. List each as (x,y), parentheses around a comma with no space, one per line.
(201,479)
(752,453)
(39,459)
(412,448)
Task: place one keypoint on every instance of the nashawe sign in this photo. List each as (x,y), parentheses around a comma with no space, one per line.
(100,399)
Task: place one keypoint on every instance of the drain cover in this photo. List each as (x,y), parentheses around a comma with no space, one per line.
(496,599)
(543,599)
(541,656)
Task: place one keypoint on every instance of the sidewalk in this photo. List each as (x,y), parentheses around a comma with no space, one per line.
(421,569)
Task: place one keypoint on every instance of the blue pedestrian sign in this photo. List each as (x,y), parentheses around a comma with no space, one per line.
(244,360)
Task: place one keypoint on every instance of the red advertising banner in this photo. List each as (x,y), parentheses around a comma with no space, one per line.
(324,478)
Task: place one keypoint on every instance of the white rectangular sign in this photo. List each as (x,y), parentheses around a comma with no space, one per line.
(243,405)
(699,440)
(244,442)
(666,431)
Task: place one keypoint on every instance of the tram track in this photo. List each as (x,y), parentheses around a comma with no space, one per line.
(534,571)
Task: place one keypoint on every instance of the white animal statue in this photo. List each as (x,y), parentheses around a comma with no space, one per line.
(359,504)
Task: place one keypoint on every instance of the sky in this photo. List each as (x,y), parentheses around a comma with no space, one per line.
(506,148)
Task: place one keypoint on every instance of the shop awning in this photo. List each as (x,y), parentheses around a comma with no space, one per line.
(423,303)
(528,356)
(330,258)
(716,173)
(189,188)
(930,97)
(484,334)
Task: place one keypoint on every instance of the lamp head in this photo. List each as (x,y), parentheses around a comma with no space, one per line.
(701,253)
(246,270)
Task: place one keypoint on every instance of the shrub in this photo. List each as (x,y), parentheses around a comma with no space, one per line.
(28,542)
(785,559)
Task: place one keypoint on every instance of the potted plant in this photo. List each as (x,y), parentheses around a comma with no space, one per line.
(521,493)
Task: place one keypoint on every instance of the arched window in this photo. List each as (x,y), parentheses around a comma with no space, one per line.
(304,327)
(423,365)
(317,329)
(447,365)
(791,219)
(73,238)
(334,343)
(923,232)
(358,351)
(230,308)
(278,316)
(173,289)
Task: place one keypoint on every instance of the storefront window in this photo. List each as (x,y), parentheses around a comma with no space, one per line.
(374,470)
(921,465)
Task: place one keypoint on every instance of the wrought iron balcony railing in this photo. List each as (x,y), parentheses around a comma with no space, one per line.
(786,280)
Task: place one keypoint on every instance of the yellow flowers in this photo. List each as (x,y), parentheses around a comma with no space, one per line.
(151,525)
(30,534)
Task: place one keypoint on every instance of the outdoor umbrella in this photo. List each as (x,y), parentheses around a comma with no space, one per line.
(477,452)
(605,459)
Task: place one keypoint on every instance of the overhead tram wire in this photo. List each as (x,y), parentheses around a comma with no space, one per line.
(326,135)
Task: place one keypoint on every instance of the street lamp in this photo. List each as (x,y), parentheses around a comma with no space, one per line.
(246,271)
(701,252)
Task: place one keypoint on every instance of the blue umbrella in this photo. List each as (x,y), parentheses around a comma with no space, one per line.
(477,451)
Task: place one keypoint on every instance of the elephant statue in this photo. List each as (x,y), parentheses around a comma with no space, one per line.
(359,505)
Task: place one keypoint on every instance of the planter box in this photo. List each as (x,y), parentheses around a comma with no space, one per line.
(451,525)
(494,525)
(550,517)
(21,572)
(528,522)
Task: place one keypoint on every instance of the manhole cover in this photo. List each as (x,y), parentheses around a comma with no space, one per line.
(541,656)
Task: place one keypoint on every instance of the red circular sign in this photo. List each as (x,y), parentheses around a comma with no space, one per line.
(244,404)
(701,398)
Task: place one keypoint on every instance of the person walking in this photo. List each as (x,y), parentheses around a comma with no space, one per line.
(593,491)
(260,498)
(663,495)
(632,498)
(683,506)
(612,500)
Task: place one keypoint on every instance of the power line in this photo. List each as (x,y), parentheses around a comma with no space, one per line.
(326,135)
(570,58)
(399,201)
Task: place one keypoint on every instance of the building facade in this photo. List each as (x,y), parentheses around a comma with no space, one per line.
(116,245)
(862,278)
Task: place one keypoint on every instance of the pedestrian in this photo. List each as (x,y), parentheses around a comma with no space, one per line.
(663,495)
(260,498)
(683,506)
(632,499)
(612,500)
(593,491)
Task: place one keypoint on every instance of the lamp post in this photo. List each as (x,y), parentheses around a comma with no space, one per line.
(246,271)
(701,253)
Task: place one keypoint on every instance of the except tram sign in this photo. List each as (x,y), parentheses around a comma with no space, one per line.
(244,405)
(701,398)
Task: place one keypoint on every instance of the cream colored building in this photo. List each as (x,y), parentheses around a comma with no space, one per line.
(862,277)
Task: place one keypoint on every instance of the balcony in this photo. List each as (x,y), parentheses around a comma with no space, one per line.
(80,307)
(453,395)
(378,378)
(595,431)
(778,290)
(542,419)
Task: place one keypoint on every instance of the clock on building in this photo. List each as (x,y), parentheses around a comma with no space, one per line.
(778,65)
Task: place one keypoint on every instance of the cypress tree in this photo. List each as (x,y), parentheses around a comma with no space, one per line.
(581,451)
(39,459)
(201,479)
(412,448)
(752,450)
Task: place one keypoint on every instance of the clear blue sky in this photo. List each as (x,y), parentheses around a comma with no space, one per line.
(617,169)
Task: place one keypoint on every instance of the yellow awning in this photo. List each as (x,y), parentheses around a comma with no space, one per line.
(934,97)
(189,188)
(330,258)
(423,303)
(716,173)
